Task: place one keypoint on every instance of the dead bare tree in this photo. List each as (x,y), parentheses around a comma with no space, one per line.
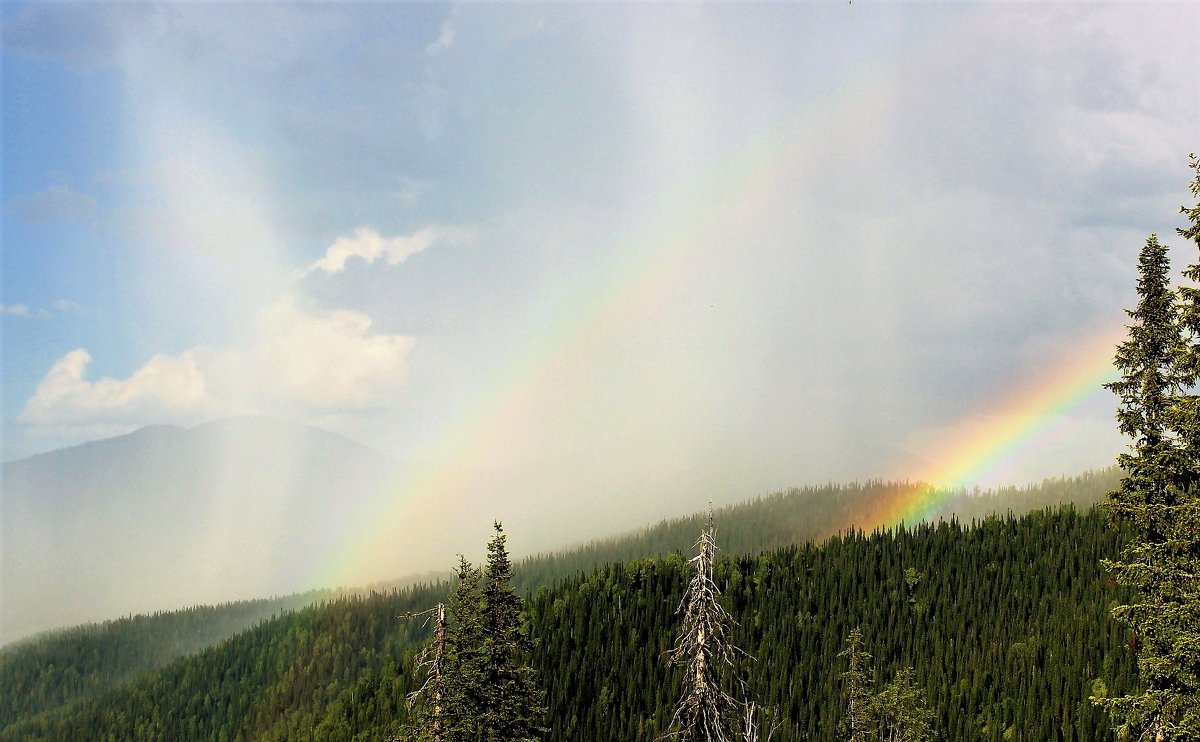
(750,730)
(431,660)
(706,712)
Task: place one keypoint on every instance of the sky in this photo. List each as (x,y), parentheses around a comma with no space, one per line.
(582,266)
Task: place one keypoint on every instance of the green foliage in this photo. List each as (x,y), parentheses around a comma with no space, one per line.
(46,674)
(61,668)
(465,659)
(512,707)
(1159,496)
(328,671)
(898,713)
(1034,581)
(806,514)
(340,670)
(861,711)
(485,688)
(904,716)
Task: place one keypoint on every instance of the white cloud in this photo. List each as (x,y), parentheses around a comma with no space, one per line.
(53,204)
(17,310)
(328,361)
(369,245)
(444,40)
(165,386)
(300,362)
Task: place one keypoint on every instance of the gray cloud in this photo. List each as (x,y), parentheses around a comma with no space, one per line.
(82,36)
(56,203)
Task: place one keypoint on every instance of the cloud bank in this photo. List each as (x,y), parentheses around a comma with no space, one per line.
(300,360)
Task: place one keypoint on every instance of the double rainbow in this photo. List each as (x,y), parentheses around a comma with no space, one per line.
(457,455)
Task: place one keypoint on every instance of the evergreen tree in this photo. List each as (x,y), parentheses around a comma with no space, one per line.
(513,708)
(705,712)
(464,689)
(1158,497)
(903,713)
(1180,660)
(1188,419)
(339,671)
(859,721)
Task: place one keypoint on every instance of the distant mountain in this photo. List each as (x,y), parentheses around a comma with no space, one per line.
(167,516)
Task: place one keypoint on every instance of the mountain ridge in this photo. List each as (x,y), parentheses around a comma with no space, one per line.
(167,516)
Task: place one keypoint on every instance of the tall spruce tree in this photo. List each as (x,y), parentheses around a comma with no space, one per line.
(513,707)
(859,723)
(1182,543)
(1157,498)
(1188,413)
(464,695)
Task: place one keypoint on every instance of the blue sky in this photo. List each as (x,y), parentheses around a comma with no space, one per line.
(366,216)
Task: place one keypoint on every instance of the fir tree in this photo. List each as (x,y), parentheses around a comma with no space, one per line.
(513,708)
(1159,411)
(1188,416)
(464,691)
(1179,663)
(859,721)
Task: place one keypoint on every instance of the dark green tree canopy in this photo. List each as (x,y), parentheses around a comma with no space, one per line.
(1159,496)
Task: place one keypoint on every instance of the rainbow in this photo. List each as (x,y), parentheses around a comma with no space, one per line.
(599,309)
(650,264)
(1005,433)
(454,458)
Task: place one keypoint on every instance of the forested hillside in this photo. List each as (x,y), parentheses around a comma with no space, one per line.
(811,513)
(1006,626)
(62,667)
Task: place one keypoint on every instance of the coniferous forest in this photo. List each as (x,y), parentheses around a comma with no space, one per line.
(1067,622)
(52,675)
(1005,625)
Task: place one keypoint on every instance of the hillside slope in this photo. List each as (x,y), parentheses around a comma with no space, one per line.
(1007,628)
(62,667)
(812,513)
(81,663)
